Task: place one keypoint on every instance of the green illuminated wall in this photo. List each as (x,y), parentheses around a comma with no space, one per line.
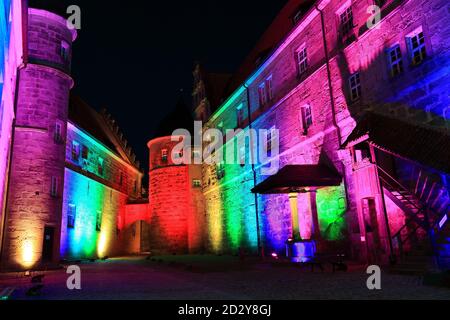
(331,208)
(89,197)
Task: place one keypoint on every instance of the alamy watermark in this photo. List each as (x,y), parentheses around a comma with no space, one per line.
(74,280)
(74,20)
(374,280)
(231,147)
(375,17)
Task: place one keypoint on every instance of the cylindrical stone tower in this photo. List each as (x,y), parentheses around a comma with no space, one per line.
(34,201)
(169,193)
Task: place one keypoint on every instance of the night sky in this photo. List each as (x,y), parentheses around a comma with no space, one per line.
(134,57)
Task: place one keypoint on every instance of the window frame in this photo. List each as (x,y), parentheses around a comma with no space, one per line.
(54,187)
(262,94)
(164,155)
(346,20)
(240,115)
(421,46)
(301,56)
(71,216)
(98,220)
(58,134)
(75,152)
(65,51)
(100,166)
(196,183)
(395,64)
(356,87)
(306,118)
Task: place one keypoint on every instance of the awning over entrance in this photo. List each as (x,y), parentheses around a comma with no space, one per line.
(296,178)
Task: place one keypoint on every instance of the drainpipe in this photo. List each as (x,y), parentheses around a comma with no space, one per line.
(336,126)
(252,155)
(332,99)
(330,85)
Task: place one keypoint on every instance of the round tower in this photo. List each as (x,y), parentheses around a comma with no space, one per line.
(34,201)
(170,200)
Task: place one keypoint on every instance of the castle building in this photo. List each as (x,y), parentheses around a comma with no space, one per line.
(362,109)
(355,114)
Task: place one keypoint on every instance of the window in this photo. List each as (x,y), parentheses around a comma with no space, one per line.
(71,216)
(196,183)
(306,118)
(98,221)
(302,61)
(220,171)
(135,187)
(54,187)
(242,156)
(100,167)
(395,61)
(84,152)
(270,137)
(58,132)
(346,20)
(65,48)
(75,151)
(240,115)
(355,86)
(265,91)
(262,94)
(416,46)
(121,178)
(269,88)
(164,155)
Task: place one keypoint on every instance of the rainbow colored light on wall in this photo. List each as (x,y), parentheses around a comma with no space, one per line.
(331,209)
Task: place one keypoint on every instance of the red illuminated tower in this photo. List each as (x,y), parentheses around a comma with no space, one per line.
(175,193)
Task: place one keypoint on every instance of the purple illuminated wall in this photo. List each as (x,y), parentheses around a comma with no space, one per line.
(11,57)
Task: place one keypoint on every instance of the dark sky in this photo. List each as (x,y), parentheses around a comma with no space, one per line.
(134,57)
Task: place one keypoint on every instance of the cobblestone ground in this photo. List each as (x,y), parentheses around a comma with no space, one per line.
(217,278)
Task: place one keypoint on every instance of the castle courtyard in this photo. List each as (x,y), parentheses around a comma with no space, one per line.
(216,277)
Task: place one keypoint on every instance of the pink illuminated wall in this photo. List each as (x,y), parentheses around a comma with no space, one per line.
(11,40)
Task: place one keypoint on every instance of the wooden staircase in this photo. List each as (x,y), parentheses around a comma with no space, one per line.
(424,240)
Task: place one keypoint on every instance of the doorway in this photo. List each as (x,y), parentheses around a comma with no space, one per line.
(371,229)
(47,247)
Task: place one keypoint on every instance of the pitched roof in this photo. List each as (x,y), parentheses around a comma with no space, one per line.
(269,41)
(215,85)
(416,142)
(98,126)
(179,118)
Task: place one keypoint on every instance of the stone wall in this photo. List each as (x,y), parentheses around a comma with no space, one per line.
(11,60)
(38,158)
(175,204)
